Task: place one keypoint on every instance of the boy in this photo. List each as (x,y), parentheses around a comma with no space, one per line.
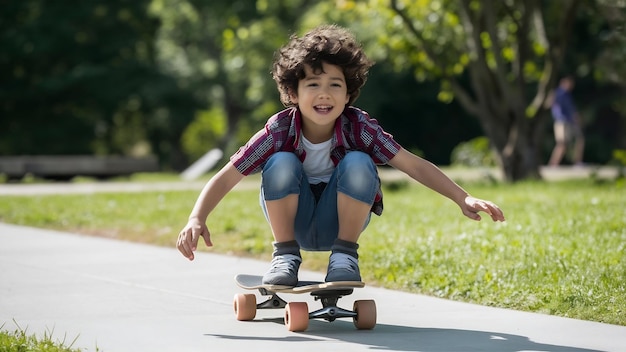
(318,162)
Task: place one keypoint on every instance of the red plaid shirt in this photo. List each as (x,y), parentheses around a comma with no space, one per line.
(354,130)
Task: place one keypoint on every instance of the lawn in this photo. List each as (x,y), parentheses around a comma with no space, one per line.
(562,250)
(20,340)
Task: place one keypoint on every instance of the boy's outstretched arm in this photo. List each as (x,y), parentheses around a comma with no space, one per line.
(212,193)
(432,177)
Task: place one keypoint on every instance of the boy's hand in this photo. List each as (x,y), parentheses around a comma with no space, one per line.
(188,238)
(472,206)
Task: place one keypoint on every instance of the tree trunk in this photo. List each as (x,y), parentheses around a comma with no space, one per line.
(521,161)
(515,143)
(233,116)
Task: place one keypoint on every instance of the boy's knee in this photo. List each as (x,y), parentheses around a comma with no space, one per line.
(281,160)
(358,175)
(281,174)
(358,163)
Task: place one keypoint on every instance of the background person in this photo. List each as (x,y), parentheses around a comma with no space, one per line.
(567,123)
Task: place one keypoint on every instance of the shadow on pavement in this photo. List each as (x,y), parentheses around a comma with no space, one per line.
(405,338)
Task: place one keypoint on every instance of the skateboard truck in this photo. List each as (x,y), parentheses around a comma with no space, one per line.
(330,311)
(273,302)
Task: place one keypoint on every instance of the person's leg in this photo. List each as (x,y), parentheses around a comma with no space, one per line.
(579,145)
(354,184)
(282,180)
(560,147)
(352,216)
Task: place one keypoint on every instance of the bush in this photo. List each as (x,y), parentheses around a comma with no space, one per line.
(204,133)
(473,153)
(619,159)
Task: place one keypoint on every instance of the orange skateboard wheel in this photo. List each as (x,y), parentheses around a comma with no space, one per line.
(365,314)
(245,306)
(297,316)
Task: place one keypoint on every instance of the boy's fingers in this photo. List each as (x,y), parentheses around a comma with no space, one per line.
(185,245)
(473,215)
(495,212)
(477,205)
(182,248)
(499,216)
(207,238)
(193,241)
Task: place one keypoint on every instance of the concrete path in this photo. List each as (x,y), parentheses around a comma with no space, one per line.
(119,296)
(253,182)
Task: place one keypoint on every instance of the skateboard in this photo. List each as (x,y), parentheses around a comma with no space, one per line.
(297,314)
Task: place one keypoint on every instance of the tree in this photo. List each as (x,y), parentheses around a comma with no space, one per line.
(499,60)
(79,78)
(609,63)
(511,55)
(222,51)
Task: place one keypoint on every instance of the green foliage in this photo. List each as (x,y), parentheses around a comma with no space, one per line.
(619,159)
(222,51)
(79,78)
(560,252)
(20,341)
(474,153)
(129,77)
(413,116)
(204,132)
(496,59)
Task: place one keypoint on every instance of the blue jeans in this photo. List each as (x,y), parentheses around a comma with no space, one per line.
(317,223)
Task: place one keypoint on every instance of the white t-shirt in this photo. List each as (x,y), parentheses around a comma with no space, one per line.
(317,165)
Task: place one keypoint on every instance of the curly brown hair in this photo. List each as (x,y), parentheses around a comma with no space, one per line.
(328,43)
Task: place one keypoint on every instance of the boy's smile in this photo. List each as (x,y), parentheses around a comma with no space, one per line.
(321,98)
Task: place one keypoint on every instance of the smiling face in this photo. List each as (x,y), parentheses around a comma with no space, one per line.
(321,97)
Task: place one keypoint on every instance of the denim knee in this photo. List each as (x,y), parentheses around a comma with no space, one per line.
(357,177)
(281,176)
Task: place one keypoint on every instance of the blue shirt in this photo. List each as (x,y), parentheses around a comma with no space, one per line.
(563,108)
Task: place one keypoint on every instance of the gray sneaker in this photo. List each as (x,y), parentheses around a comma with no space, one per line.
(343,267)
(283,270)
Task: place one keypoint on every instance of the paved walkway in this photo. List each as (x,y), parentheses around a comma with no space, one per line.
(120,296)
(252,182)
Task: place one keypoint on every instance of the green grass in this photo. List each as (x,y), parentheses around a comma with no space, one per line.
(21,341)
(562,250)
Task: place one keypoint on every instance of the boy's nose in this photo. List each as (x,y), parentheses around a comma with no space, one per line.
(323,94)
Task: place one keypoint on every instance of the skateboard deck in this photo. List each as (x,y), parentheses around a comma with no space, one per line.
(297,314)
(254,282)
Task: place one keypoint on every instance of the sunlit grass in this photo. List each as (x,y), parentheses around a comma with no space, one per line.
(562,250)
(20,340)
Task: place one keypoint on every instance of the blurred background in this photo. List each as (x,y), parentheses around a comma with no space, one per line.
(457,81)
